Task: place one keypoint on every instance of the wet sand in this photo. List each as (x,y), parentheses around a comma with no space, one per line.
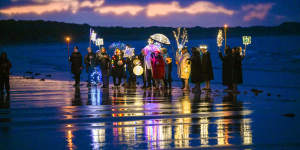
(53,114)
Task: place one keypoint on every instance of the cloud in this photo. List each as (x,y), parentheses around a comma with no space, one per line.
(120,10)
(51,6)
(201,7)
(259,11)
(151,10)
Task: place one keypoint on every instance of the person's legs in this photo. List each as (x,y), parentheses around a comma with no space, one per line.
(119,81)
(114,79)
(149,77)
(186,84)
(1,85)
(183,84)
(77,79)
(7,86)
(207,85)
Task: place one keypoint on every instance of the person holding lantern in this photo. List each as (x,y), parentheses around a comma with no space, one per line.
(196,69)
(168,68)
(90,63)
(184,69)
(238,56)
(117,67)
(228,63)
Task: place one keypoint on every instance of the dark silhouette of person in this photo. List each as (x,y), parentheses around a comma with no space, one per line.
(117,67)
(196,69)
(90,63)
(76,66)
(228,62)
(102,58)
(5,66)
(238,55)
(207,73)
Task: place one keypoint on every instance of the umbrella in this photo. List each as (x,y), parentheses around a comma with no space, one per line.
(160,38)
(119,45)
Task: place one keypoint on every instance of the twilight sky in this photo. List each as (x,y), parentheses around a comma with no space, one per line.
(136,13)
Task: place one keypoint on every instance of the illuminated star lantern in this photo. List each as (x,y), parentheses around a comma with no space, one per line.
(220,38)
(129,52)
(246,40)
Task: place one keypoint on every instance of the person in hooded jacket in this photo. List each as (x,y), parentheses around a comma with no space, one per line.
(90,63)
(196,69)
(102,58)
(76,65)
(5,66)
(158,69)
(228,62)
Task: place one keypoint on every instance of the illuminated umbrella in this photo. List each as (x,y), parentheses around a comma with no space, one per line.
(160,38)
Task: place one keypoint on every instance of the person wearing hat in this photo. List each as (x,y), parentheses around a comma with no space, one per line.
(76,65)
(184,69)
(206,73)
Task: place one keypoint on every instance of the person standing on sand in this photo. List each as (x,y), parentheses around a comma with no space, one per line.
(168,68)
(206,68)
(158,69)
(90,63)
(196,69)
(117,67)
(102,58)
(5,66)
(76,66)
(238,56)
(184,65)
(228,62)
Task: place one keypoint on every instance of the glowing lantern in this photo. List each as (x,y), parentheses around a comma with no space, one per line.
(138,70)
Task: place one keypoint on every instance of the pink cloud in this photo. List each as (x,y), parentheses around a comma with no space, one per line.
(51,6)
(120,10)
(259,11)
(201,7)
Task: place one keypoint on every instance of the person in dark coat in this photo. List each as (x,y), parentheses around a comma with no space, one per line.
(168,68)
(206,68)
(118,69)
(228,62)
(5,66)
(102,59)
(90,63)
(237,70)
(196,69)
(141,58)
(131,76)
(76,66)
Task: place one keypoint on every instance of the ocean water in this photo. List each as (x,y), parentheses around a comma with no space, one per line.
(52,114)
(269,61)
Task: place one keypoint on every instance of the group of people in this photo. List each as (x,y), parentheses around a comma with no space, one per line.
(157,67)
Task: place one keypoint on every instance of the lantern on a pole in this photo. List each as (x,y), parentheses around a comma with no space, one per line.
(68,39)
(225,34)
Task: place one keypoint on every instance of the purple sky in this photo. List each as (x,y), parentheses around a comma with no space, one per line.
(136,13)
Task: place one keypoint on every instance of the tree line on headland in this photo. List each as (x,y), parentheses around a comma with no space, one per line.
(39,31)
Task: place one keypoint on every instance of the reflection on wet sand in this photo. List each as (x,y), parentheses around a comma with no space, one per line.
(185,121)
(200,128)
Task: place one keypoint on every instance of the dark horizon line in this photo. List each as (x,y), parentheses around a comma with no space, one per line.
(97,26)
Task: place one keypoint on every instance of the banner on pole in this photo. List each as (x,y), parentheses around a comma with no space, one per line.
(246,40)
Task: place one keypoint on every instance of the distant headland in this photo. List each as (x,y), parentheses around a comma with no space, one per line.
(39,31)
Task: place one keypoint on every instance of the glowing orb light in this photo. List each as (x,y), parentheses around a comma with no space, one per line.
(96,76)
(138,70)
